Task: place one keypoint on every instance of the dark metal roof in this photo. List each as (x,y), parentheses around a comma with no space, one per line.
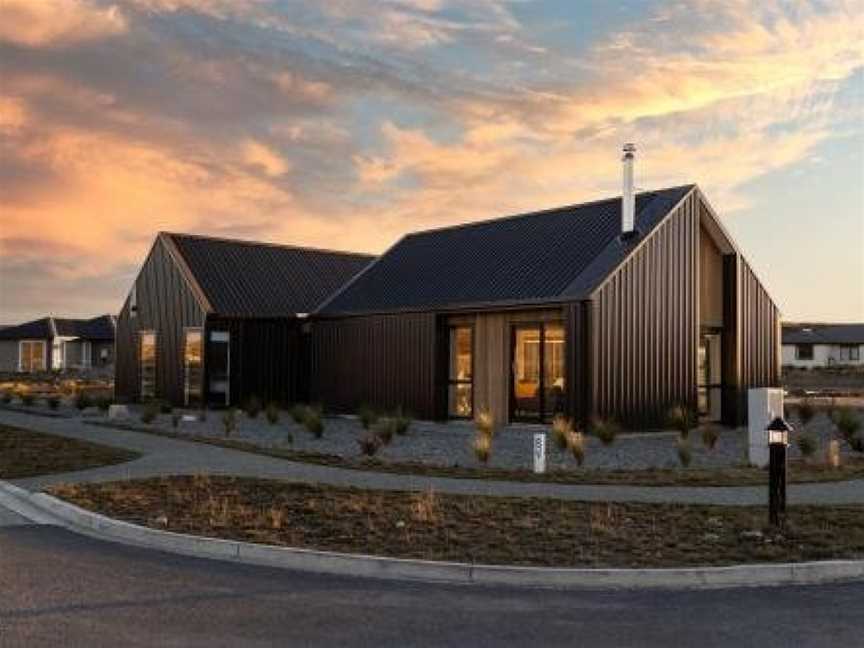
(823,333)
(559,253)
(248,279)
(97,328)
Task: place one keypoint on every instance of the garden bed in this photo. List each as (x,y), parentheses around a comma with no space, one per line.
(24,453)
(492,530)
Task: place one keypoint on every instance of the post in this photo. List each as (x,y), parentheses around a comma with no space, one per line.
(540,453)
(778,438)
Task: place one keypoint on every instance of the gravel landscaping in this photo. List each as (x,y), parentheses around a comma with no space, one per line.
(492,530)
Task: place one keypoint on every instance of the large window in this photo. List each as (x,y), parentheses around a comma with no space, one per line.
(460,388)
(804,351)
(192,355)
(538,371)
(147,364)
(31,355)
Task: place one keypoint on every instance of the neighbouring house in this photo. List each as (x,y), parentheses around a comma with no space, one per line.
(215,321)
(823,345)
(615,308)
(58,344)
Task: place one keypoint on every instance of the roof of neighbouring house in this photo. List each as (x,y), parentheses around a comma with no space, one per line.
(802,333)
(252,279)
(99,328)
(560,253)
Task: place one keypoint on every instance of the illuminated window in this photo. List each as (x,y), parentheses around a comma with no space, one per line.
(31,354)
(461,369)
(147,364)
(192,355)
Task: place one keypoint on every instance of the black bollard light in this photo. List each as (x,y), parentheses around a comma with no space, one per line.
(778,438)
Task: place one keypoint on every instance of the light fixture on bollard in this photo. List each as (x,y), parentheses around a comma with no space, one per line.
(778,438)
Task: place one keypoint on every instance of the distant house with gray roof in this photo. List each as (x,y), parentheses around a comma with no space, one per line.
(823,345)
(58,344)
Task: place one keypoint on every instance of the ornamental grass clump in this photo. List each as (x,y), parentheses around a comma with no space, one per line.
(6,397)
(253,407)
(369,444)
(175,420)
(806,445)
(401,421)
(562,427)
(482,446)
(314,422)
(485,423)
(806,411)
(367,416)
(82,401)
(149,412)
(606,430)
(53,402)
(27,399)
(384,429)
(685,454)
(165,407)
(576,445)
(103,403)
(710,436)
(272,413)
(298,413)
(848,425)
(229,422)
(681,419)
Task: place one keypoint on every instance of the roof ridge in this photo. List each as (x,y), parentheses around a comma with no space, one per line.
(251,243)
(542,212)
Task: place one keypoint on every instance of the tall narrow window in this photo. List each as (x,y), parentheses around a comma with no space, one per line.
(460,388)
(147,364)
(192,356)
(31,355)
(537,385)
(219,367)
(553,370)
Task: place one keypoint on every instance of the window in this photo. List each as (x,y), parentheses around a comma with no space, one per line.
(147,364)
(537,386)
(86,354)
(219,367)
(460,392)
(133,302)
(848,353)
(803,351)
(192,355)
(31,355)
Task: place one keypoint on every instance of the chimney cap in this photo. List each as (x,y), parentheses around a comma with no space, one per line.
(629,149)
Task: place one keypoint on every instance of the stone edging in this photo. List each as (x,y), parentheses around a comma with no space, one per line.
(44,509)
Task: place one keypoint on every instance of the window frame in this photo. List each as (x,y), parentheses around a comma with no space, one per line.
(451,382)
(804,345)
(31,342)
(155,389)
(186,331)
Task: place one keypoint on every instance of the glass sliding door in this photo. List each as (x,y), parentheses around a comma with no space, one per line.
(147,364)
(31,355)
(219,367)
(192,361)
(460,383)
(537,384)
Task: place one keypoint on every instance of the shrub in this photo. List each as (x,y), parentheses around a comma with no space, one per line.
(367,416)
(298,413)
(369,444)
(53,402)
(272,413)
(82,401)
(229,421)
(685,455)
(253,407)
(175,420)
(401,421)
(165,407)
(149,412)
(6,397)
(806,445)
(202,415)
(605,430)
(806,411)
(576,444)
(482,446)
(384,429)
(103,403)
(485,423)
(848,424)
(313,422)
(562,427)
(710,436)
(681,419)
(27,398)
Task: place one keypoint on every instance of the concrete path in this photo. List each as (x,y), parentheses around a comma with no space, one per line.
(162,456)
(8,518)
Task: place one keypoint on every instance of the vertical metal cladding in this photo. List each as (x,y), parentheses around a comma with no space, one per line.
(166,305)
(760,331)
(383,360)
(644,326)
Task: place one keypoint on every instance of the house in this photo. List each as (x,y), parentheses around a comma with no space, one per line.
(217,321)
(615,308)
(58,344)
(823,345)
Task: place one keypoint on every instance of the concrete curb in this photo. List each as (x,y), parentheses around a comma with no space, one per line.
(44,509)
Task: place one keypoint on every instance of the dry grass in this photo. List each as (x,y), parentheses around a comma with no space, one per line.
(526,531)
(26,454)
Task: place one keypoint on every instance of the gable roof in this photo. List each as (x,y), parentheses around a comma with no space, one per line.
(99,328)
(251,279)
(550,255)
(801,333)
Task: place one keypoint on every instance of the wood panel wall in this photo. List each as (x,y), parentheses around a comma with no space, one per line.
(644,326)
(165,304)
(385,361)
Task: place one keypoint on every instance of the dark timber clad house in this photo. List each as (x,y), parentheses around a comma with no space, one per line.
(217,321)
(581,310)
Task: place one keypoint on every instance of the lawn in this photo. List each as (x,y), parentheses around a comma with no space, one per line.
(493,530)
(24,453)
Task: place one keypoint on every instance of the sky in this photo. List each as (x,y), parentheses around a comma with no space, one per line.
(344,124)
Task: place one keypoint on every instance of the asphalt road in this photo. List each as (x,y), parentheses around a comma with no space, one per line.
(61,589)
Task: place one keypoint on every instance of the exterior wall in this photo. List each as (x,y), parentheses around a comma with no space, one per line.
(9,355)
(643,327)
(385,361)
(166,305)
(824,355)
(759,344)
(710,281)
(265,359)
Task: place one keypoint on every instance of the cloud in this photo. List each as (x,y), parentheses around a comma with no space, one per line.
(38,23)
